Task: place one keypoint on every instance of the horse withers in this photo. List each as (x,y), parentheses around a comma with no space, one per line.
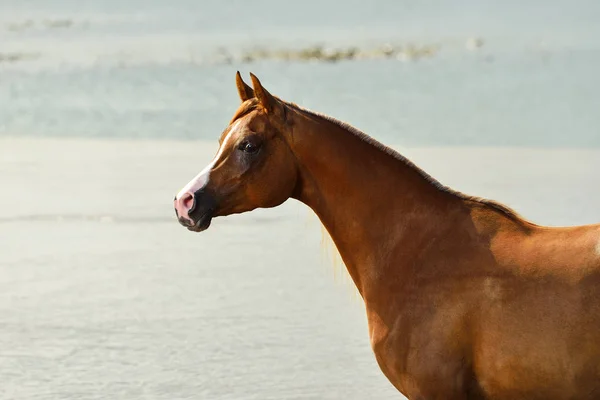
(465,299)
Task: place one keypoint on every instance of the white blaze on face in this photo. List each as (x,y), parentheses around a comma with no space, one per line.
(201,180)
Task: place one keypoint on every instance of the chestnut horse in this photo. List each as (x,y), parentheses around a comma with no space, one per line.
(464,298)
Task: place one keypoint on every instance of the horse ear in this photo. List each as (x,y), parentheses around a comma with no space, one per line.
(244,90)
(265,98)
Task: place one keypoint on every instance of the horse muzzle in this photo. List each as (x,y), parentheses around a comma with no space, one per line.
(195,210)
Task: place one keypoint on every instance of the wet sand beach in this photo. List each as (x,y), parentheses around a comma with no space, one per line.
(103,294)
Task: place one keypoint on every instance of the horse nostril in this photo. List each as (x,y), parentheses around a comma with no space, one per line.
(188,203)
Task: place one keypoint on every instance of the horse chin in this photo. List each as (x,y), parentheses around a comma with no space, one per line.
(202,224)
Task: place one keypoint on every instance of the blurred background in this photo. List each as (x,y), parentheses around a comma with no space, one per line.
(107,108)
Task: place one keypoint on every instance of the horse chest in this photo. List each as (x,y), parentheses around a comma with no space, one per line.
(420,365)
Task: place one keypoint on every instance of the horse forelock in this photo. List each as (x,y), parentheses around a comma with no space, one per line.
(245,108)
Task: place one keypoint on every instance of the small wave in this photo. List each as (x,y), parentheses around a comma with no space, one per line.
(17,57)
(42,53)
(29,24)
(321,53)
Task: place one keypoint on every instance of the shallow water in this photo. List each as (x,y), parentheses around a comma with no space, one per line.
(102,293)
(156,70)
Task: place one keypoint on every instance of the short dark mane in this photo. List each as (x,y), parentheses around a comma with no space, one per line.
(505,210)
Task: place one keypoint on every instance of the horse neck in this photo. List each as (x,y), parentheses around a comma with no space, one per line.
(369,199)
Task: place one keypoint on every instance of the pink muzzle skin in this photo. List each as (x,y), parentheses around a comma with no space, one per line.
(184,205)
(185,200)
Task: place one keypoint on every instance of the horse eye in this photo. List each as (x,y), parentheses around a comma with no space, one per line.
(248,147)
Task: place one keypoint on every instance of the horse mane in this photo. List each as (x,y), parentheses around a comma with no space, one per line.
(494,205)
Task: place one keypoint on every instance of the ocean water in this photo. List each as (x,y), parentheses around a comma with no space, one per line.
(107,108)
(155,69)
